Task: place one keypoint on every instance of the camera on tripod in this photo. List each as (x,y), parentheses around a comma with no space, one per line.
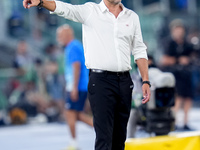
(156,116)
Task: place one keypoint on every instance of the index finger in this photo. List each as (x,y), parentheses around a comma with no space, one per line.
(25,3)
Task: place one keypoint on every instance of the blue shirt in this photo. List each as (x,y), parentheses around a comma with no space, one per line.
(74,53)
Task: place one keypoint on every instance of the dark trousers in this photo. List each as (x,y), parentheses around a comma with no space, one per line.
(110,99)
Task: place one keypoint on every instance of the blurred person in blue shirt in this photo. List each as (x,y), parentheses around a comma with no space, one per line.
(77,77)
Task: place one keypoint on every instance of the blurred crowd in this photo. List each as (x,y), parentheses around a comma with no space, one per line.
(38,86)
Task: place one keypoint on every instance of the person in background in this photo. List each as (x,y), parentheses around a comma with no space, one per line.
(111,33)
(177,60)
(24,61)
(76,76)
(54,77)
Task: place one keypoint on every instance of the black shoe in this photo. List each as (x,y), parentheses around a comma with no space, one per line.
(187,128)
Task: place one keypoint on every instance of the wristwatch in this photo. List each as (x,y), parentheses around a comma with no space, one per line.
(40,5)
(146,82)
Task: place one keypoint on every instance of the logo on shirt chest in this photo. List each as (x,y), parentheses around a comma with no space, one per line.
(125,30)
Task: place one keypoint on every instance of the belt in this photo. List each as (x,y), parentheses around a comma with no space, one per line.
(120,73)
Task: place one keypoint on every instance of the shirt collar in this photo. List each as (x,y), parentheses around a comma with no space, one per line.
(104,8)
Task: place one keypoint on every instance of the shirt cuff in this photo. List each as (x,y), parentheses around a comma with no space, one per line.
(139,56)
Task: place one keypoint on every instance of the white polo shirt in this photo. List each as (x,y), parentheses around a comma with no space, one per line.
(108,41)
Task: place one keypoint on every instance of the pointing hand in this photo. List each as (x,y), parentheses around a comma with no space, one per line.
(30,3)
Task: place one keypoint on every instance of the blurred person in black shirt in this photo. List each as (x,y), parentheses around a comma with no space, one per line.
(177,60)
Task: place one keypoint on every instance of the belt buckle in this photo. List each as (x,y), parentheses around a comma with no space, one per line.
(121,73)
(97,70)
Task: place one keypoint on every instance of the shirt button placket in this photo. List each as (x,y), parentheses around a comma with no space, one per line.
(117,44)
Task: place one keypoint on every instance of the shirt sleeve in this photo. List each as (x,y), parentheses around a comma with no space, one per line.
(74,55)
(139,48)
(77,13)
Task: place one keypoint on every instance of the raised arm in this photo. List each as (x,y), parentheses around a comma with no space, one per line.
(48,4)
(77,13)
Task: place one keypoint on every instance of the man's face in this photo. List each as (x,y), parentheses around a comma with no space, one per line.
(61,38)
(114,1)
(178,33)
(64,36)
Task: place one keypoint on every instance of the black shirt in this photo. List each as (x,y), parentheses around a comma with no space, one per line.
(177,50)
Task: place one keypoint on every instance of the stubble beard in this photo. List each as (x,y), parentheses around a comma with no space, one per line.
(114,2)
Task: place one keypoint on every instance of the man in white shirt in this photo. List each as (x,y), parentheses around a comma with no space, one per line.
(111,33)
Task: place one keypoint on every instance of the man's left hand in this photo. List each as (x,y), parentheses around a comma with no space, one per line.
(146,93)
